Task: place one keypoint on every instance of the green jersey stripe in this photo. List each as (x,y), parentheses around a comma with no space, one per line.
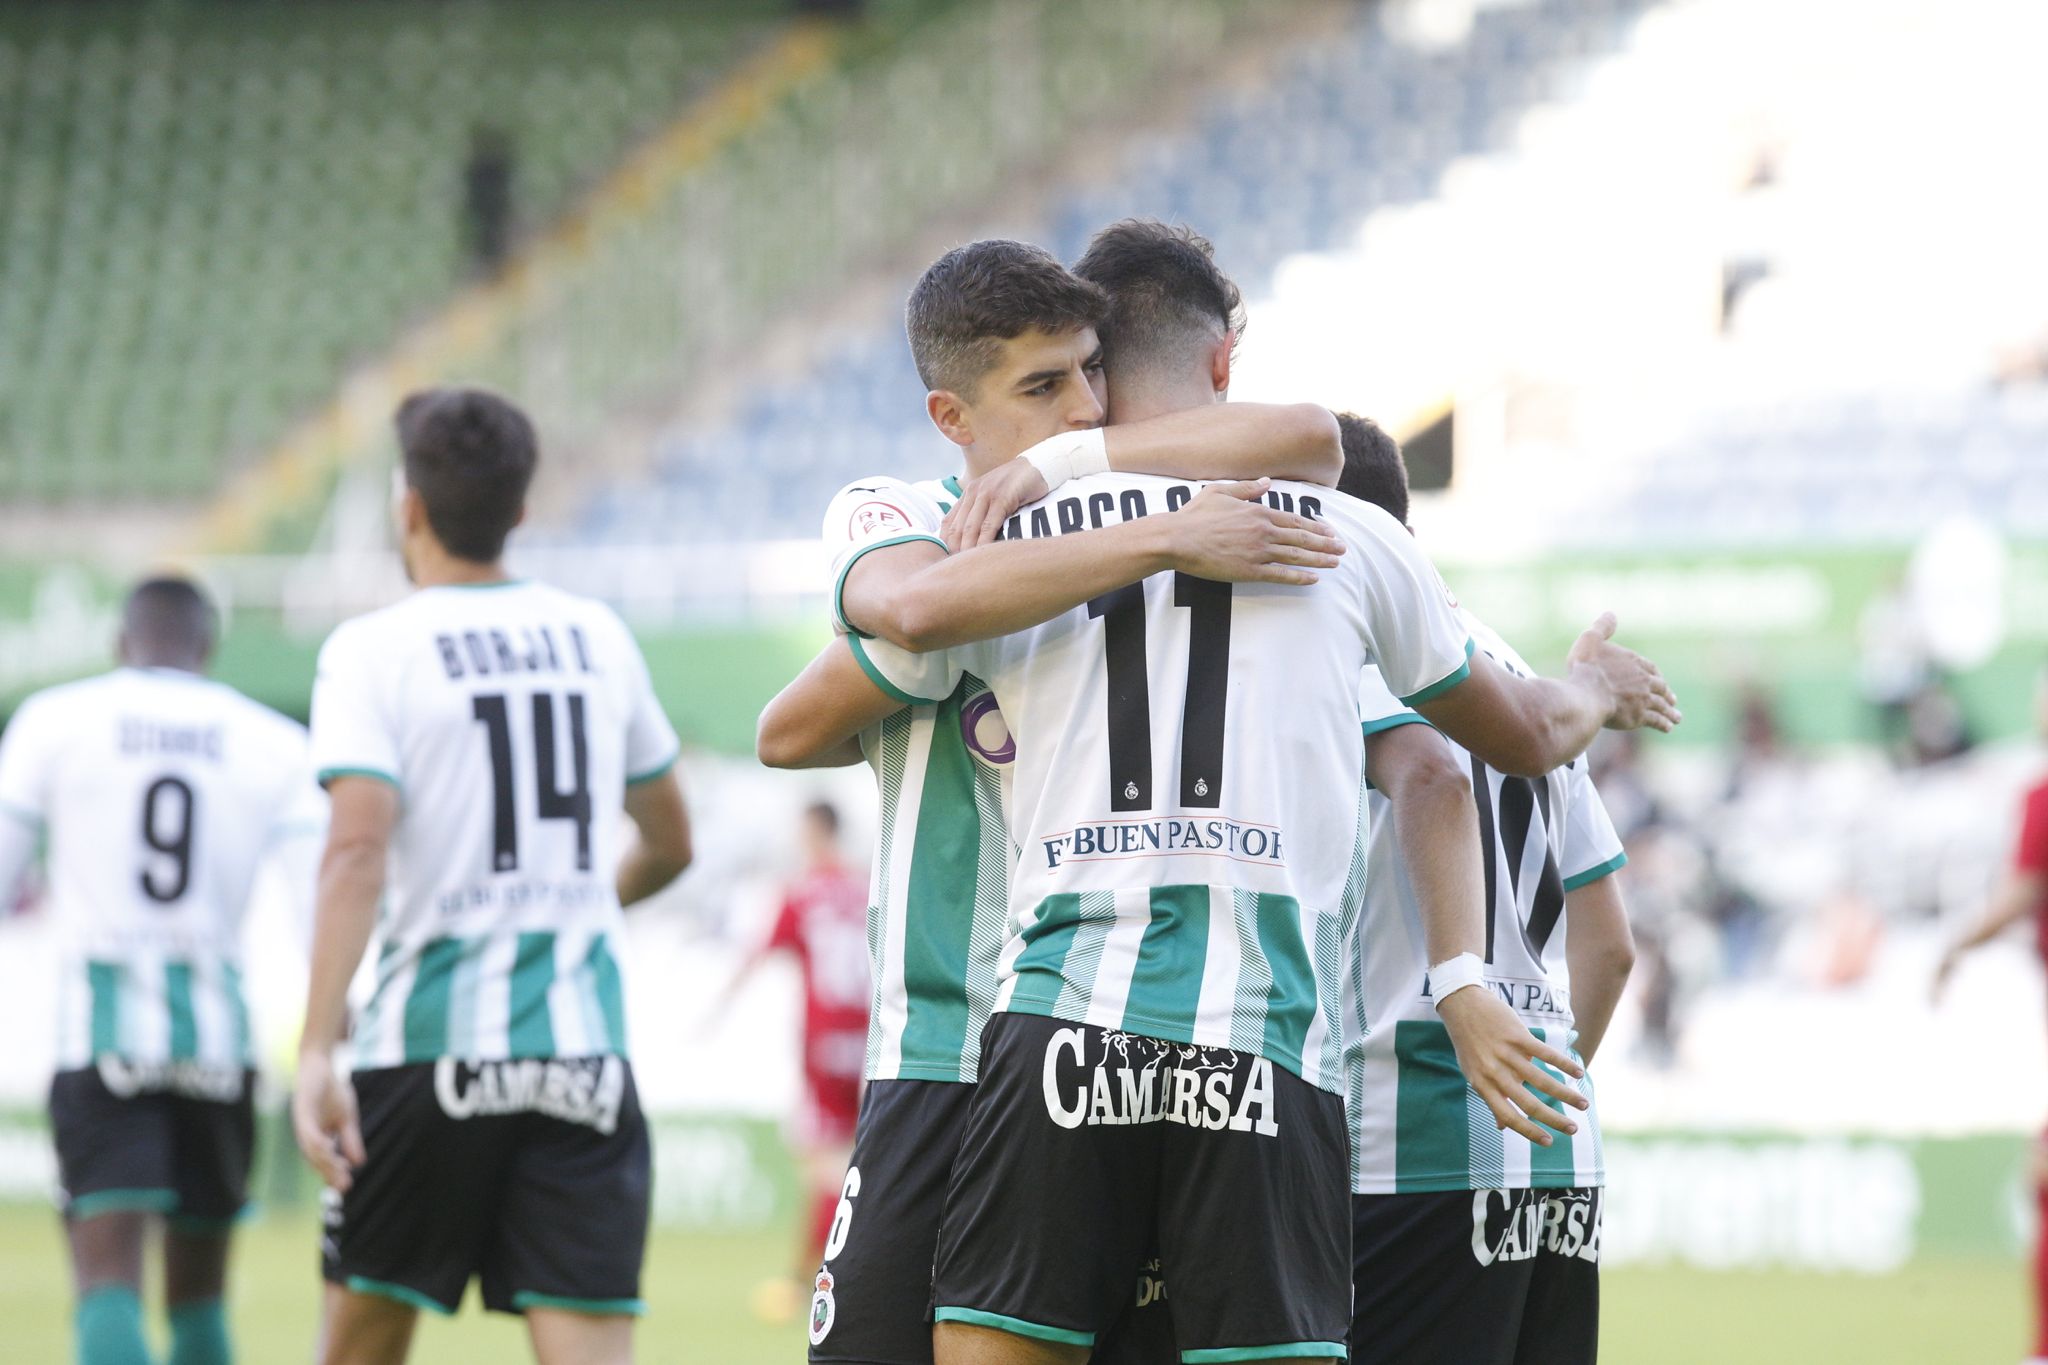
(104,979)
(1291,1002)
(611,992)
(1166,981)
(530,1030)
(1483,1137)
(426,1006)
(937,909)
(1433,1150)
(184,1022)
(238,1009)
(1557,1165)
(1054,934)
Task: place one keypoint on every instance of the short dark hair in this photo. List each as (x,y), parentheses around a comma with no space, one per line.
(169,616)
(1374,471)
(470,455)
(976,296)
(1167,297)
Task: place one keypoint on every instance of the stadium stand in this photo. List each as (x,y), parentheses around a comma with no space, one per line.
(1358,120)
(208,212)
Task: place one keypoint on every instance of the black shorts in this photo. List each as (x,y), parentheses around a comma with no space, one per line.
(1089,1151)
(173,1140)
(532,1175)
(1477,1277)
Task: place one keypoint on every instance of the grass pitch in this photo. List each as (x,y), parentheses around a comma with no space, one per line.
(701,1287)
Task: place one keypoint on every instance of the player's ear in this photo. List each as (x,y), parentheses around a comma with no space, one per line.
(949,415)
(412,512)
(1219,364)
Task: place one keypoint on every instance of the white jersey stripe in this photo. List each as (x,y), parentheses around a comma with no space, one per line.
(892,1004)
(1119,957)
(1216,1009)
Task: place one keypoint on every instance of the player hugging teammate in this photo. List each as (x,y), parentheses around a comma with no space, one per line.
(1142,1153)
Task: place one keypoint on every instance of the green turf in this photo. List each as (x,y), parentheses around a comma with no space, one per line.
(700,1288)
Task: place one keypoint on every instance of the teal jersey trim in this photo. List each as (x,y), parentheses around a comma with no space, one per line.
(153,1200)
(1299,1350)
(839,588)
(1594,874)
(614,1308)
(184,1020)
(659,770)
(1446,683)
(327,775)
(384,1289)
(1394,722)
(483,585)
(974,1317)
(951,483)
(876,676)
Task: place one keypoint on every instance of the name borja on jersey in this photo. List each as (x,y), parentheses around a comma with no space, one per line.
(494,652)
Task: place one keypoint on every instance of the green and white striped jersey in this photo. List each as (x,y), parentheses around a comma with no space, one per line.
(160,793)
(1415,1125)
(510,717)
(942,857)
(1186,788)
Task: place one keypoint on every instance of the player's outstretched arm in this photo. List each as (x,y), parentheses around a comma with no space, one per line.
(1438,834)
(1600,952)
(1215,441)
(661,837)
(2013,901)
(1527,726)
(920,598)
(815,721)
(364,813)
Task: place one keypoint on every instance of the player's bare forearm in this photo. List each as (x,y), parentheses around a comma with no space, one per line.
(1437,831)
(815,721)
(1600,952)
(1523,726)
(345,914)
(2013,901)
(927,601)
(1232,441)
(661,848)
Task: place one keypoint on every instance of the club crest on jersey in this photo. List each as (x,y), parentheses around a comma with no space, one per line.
(872,519)
(824,1308)
(984,731)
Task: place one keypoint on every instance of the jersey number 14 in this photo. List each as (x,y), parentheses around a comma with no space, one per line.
(553,803)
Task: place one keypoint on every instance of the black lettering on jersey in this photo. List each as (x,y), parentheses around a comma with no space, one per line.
(1133,504)
(1100,505)
(139,735)
(582,650)
(502,648)
(534,660)
(1041,524)
(479,657)
(1013,529)
(1279,501)
(1179,496)
(1312,507)
(1070,515)
(547,638)
(451,657)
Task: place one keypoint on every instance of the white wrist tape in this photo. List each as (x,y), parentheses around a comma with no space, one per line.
(1455,974)
(1069,455)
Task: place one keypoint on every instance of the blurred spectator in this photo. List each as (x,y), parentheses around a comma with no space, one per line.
(823,925)
(1893,664)
(487,198)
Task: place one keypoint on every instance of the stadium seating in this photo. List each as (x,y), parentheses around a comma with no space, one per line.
(209,211)
(1358,121)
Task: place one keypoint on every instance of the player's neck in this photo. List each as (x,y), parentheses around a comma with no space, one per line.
(1135,400)
(434,567)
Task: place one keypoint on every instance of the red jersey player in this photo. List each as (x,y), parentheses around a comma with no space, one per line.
(2021,895)
(823,923)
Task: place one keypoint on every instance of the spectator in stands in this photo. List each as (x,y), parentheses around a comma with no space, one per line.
(487,198)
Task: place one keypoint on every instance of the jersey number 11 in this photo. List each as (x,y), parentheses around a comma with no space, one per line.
(1122,613)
